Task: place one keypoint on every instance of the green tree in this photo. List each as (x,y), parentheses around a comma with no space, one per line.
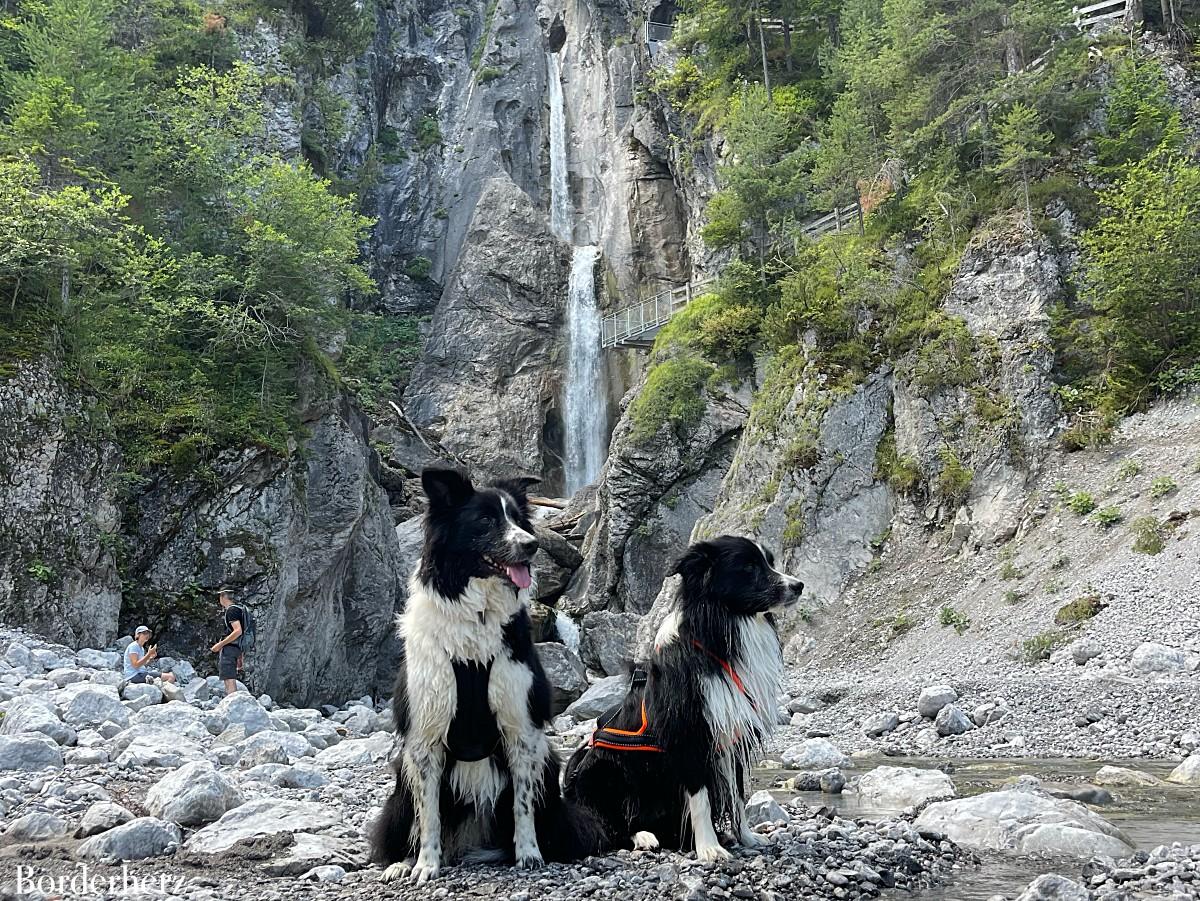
(1022,145)
(1142,284)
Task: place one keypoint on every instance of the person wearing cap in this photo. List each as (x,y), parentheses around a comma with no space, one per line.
(229,648)
(137,656)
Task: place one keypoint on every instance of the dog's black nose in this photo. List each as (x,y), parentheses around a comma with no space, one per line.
(528,546)
(796,587)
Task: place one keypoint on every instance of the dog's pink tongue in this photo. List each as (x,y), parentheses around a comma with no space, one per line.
(519,573)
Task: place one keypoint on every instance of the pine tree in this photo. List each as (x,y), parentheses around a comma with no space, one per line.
(1022,145)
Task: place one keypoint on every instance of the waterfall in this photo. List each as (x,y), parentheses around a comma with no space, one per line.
(560,190)
(584,412)
(584,409)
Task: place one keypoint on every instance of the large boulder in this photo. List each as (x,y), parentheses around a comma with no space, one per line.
(93,706)
(1151,657)
(144,745)
(879,724)
(607,640)
(136,840)
(176,716)
(195,794)
(814,754)
(762,808)
(1024,822)
(1123,777)
(273,747)
(601,696)
(897,787)
(1188,772)
(242,709)
(264,816)
(35,713)
(37,826)
(950,720)
(564,669)
(356,752)
(31,751)
(102,816)
(1052,887)
(934,698)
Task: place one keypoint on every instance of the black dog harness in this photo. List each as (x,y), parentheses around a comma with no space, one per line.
(642,738)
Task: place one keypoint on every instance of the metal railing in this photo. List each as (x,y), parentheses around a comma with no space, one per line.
(1086,16)
(637,322)
(834,221)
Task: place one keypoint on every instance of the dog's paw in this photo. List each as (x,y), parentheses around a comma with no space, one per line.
(645,841)
(751,839)
(712,853)
(398,870)
(530,860)
(424,870)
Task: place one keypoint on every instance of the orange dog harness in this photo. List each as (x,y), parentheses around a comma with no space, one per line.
(642,739)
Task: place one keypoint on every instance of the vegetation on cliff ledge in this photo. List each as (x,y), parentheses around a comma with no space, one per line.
(928,118)
(159,232)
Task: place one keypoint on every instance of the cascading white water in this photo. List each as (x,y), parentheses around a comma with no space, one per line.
(560,190)
(584,409)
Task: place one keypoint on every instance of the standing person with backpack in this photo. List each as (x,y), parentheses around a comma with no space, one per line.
(240,624)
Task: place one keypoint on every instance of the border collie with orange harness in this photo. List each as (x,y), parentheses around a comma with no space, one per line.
(670,762)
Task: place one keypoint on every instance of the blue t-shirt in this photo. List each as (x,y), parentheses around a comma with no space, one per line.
(129,668)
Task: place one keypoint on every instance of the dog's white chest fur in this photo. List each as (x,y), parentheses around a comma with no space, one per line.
(437,632)
(738,717)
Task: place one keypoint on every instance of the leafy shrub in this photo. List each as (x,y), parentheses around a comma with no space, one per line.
(948,616)
(1149,535)
(1079,610)
(41,571)
(489,73)
(793,532)
(1062,561)
(674,393)
(1010,570)
(899,471)
(1013,597)
(1162,486)
(1128,469)
(801,453)
(729,333)
(1081,503)
(418,268)
(898,623)
(1041,646)
(954,480)
(428,133)
(1107,517)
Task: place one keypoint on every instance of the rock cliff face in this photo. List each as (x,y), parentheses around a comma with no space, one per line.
(59,516)
(308,543)
(801,470)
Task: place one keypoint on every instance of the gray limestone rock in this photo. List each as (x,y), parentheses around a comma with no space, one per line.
(195,794)
(136,840)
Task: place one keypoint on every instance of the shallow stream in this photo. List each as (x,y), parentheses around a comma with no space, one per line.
(1148,816)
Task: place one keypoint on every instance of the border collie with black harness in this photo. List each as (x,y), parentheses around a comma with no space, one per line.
(672,759)
(476,779)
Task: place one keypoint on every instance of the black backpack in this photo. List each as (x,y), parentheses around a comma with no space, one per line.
(249,629)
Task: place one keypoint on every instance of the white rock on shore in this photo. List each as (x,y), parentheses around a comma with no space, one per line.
(894,787)
(1024,822)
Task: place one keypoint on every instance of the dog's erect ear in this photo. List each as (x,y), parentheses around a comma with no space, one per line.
(446,488)
(696,564)
(517,487)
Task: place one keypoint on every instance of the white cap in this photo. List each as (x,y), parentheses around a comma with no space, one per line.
(139,630)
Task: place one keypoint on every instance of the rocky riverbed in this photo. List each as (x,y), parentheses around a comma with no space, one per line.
(179,792)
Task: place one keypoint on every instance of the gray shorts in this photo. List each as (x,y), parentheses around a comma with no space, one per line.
(227,662)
